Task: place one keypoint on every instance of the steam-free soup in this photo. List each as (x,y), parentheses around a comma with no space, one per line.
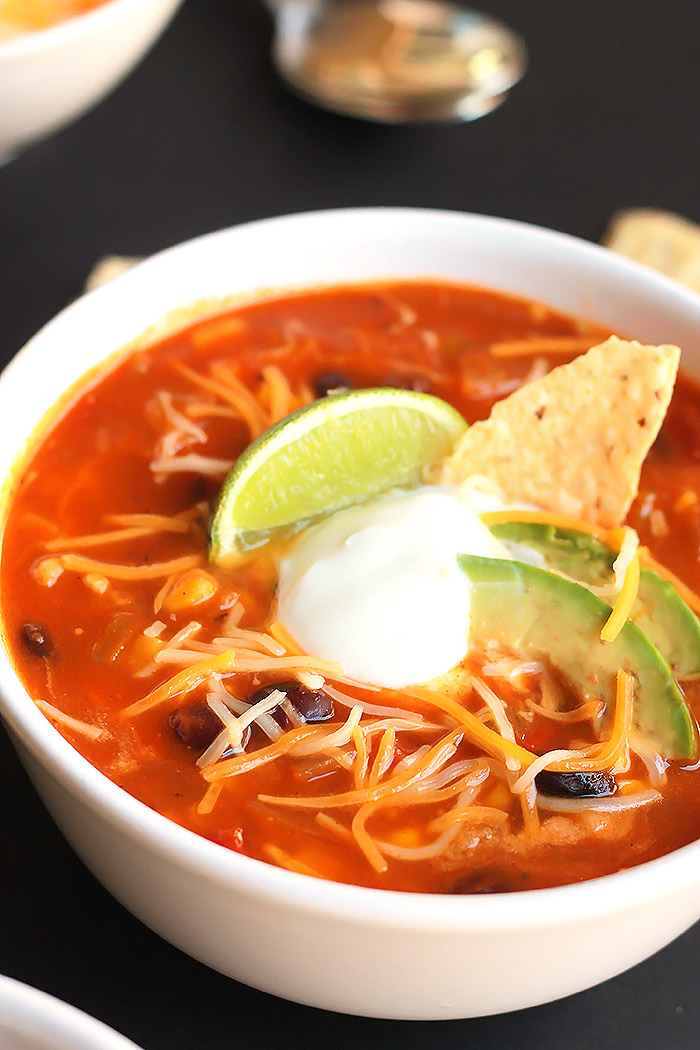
(181,681)
(22,16)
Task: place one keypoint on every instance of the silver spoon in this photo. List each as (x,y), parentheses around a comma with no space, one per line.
(396,60)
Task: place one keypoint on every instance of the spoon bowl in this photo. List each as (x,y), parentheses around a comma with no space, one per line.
(396,61)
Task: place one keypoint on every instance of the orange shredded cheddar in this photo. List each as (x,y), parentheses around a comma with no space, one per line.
(384,756)
(440,752)
(211,332)
(79,563)
(183,682)
(361,757)
(241,398)
(282,635)
(493,743)
(245,404)
(244,763)
(616,747)
(291,663)
(613,537)
(541,345)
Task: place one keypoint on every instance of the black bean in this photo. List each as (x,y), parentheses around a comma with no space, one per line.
(575,785)
(331,383)
(196,727)
(36,639)
(407,381)
(312,704)
(490,881)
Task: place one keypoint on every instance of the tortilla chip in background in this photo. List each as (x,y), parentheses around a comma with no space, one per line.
(666,242)
(574,441)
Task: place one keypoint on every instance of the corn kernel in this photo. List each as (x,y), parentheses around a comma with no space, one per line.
(192,588)
(144,649)
(498,796)
(409,837)
(47,571)
(96,582)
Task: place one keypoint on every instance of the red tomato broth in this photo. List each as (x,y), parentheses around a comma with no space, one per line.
(19,16)
(434,336)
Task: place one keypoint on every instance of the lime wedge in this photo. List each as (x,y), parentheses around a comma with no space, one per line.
(330,454)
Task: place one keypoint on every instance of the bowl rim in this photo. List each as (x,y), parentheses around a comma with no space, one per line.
(106,14)
(20,1002)
(523,909)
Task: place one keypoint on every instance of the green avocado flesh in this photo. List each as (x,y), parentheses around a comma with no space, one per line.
(542,616)
(659,611)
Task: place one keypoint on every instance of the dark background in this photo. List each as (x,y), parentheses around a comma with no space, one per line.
(202,136)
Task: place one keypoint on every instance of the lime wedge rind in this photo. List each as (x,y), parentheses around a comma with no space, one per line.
(327,455)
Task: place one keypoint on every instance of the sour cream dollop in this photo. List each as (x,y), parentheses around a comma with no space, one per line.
(377,587)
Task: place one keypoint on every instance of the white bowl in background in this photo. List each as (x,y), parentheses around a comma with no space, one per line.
(33,1020)
(371,952)
(48,77)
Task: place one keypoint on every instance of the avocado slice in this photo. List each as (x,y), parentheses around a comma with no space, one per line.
(534,612)
(659,611)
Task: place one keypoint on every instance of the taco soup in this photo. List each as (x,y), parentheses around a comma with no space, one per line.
(365,582)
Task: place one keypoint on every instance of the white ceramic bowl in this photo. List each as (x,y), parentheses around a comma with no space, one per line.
(341,947)
(32,1020)
(50,77)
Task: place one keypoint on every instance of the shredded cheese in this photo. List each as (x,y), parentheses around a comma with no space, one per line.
(285,860)
(615,751)
(280,633)
(541,345)
(625,600)
(84,728)
(359,768)
(191,463)
(384,756)
(281,400)
(210,798)
(436,757)
(244,763)
(338,738)
(79,563)
(562,521)
(364,839)
(493,743)
(612,537)
(183,682)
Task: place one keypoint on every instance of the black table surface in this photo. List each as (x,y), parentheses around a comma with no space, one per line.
(202,136)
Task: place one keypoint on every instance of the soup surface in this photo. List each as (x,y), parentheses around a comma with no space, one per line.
(147,657)
(22,16)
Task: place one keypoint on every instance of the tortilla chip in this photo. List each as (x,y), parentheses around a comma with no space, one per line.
(574,441)
(108,267)
(659,239)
